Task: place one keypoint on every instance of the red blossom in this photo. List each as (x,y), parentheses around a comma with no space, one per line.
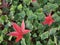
(19,31)
(48,20)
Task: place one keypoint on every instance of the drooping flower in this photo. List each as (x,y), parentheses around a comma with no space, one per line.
(48,20)
(19,31)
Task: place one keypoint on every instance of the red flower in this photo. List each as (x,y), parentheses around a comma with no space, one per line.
(48,20)
(19,31)
(33,0)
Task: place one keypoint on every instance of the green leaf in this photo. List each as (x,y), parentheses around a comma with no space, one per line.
(34,35)
(3,19)
(38,43)
(51,1)
(31,15)
(40,28)
(19,7)
(29,12)
(12,8)
(27,39)
(50,42)
(57,1)
(59,43)
(35,5)
(56,17)
(5,30)
(42,1)
(40,16)
(1,38)
(19,16)
(23,41)
(58,12)
(29,25)
(27,1)
(52,31)
(55,40)
(50,7)
(22,14)
(44,35)
(9,23)
(59,27)
(5,43)
(40,10)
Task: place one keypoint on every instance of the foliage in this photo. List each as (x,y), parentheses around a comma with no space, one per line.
(34,14)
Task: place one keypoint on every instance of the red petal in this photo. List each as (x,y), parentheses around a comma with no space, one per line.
(18,38)
(52,20)
(48,20)
(48,17)
(49,23)
(13,34)
(23,26)
(17,28)
(44,23)
(26,31)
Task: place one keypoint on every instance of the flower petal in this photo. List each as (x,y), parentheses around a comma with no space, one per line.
(49,23)
(13,34)
(16,27)
(26,31)
(48,20)
(44,22)
(18,38)
(23,26)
